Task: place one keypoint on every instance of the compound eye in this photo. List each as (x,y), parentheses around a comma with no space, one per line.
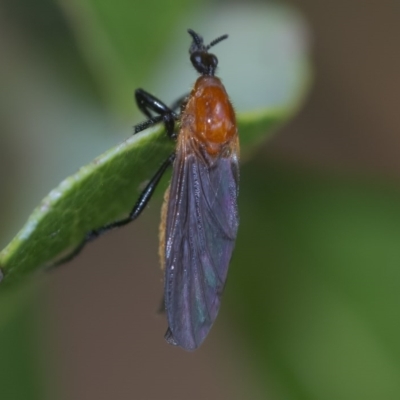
(204,63)
(197,60)
(212,62)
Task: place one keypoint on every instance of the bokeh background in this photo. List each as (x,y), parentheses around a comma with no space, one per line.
(310,310)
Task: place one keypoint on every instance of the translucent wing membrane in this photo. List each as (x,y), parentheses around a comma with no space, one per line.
(201,230)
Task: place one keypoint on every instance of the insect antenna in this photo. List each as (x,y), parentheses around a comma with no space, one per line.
(217,40)
(198,40)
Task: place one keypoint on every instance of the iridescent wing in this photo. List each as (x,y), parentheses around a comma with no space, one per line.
(202,222)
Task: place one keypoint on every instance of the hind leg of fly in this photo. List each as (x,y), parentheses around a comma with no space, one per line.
(149,105)
(139,206)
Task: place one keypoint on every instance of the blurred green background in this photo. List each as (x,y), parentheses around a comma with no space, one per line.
(310,307)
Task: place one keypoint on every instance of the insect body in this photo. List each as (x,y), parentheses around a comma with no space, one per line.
(199,217)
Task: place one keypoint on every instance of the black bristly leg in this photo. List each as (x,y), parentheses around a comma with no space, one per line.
(141,203)
(147,103)
(147,124)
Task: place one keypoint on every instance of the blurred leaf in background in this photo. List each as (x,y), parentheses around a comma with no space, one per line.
(21,374)
(317,301)
(313,288)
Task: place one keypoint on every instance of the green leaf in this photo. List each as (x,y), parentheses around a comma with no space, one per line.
(107,188)
(101,192)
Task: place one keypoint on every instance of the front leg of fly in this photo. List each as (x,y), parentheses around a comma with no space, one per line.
(148,103)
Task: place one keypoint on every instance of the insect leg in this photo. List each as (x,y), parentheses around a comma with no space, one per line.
(139,206)
(141,203)
(147,103)
(147,124)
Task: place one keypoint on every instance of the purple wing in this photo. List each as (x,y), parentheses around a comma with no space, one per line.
(202,222)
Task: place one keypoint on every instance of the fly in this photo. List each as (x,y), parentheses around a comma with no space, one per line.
(199,217)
